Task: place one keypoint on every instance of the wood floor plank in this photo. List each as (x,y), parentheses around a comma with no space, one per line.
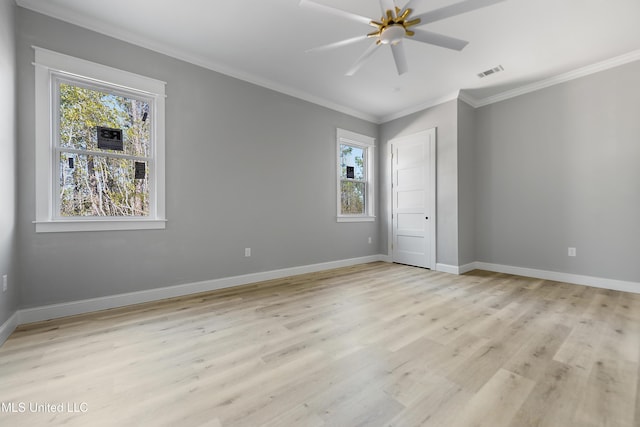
(538,350)
(374,344)
(637,411)
(299,415)
(554,399)
(505,390)
(603,400)
(436,404)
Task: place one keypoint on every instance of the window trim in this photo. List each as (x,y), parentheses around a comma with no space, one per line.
(368,144)
(48,66)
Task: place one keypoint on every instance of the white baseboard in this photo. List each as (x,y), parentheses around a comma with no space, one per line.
(455,269)
(467,267)
(597,282)
(446,268)
(386,258)
(53,311)
(8,327)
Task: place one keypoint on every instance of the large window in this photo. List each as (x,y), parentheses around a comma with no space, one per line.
(99,147)
(355,177)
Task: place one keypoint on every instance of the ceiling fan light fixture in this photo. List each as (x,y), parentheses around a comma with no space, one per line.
(396,24)
(392,34)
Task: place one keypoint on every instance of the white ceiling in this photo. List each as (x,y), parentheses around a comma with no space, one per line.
(264,42)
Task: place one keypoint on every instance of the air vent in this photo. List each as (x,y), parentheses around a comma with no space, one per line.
(491,71)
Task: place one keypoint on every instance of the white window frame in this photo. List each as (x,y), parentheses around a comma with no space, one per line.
(367,143)
(49,67)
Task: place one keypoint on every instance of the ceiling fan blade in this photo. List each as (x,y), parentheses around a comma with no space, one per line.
(387,5)
(332,10)
(363,58)
(438,39)
(408,5)
(337,44)
(453,10)
(400,58)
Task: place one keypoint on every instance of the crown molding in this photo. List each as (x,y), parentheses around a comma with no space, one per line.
(51,10)
(468,99)
(522,90)
(420,107)
(560,78)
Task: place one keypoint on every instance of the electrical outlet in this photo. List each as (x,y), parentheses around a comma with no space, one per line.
(247,252)
(4,283)
(370,240)
(572,252)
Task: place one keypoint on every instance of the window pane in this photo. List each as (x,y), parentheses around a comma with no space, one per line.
(352,198)
(82,110)
(351,162)
(102,186)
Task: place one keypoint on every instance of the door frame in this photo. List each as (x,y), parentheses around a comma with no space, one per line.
(431,136)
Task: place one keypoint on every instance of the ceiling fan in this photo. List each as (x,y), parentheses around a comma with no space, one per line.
(398,24)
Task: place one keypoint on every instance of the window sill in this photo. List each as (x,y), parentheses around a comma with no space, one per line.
(356,219)
(61,226)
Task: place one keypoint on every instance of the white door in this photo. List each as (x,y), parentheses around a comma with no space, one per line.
(414,199)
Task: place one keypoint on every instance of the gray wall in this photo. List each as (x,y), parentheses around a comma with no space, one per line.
(466,183)
(444,118)
(8,170)
(560,167)
(518,181)
(246,167)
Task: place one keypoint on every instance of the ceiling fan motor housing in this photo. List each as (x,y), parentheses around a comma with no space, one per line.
(392,34)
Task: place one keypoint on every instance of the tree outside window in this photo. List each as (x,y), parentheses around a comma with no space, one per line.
(355,176)
(96,181)
(352,180)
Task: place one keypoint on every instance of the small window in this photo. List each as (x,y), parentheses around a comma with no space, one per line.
(355,177)
(99,147)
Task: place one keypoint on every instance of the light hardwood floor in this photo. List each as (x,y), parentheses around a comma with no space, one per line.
(376,344)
